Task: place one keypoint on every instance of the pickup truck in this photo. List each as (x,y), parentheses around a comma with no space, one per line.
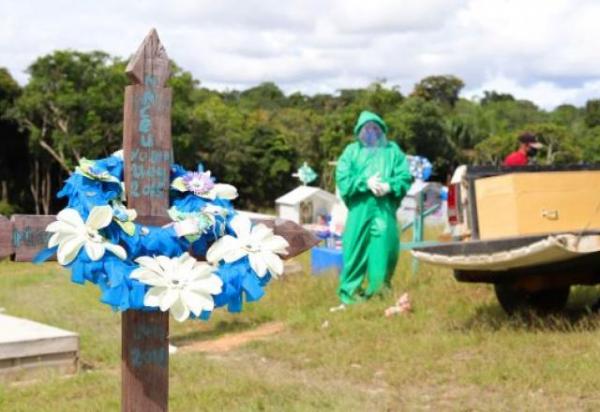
(531,231)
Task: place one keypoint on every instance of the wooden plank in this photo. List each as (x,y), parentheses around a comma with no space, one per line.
(147,142)
(148,156)
(148,150)
(29,235)
(6,230)
(299,238)
(145,361)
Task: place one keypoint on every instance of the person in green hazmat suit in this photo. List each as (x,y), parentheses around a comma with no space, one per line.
(372,176)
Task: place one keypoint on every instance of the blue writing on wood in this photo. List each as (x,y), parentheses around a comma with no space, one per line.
(148,356)
(30,237)
(149,177)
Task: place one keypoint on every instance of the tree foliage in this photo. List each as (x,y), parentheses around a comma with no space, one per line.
(442,89)
(256,138)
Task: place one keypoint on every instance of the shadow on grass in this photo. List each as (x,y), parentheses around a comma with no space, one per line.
(219,329)
(578,316)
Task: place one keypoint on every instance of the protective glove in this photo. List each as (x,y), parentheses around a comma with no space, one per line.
(384,188)
(374,184)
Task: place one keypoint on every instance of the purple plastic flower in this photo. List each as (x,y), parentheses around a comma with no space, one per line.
(198,183)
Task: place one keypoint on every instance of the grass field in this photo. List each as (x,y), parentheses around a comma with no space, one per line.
(456,351)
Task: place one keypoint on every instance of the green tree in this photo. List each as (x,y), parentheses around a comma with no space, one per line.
(73,103)
(442,89)
(266,95)
(419,127)
(590,145)
(592,113)
(560,146)
(494,149)
(508,116)
(377,97)
(71,107)
(13,156)
(493,96)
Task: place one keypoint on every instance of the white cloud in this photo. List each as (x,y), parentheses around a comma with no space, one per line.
(539,50)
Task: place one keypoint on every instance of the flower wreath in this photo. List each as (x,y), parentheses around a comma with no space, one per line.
(149,268)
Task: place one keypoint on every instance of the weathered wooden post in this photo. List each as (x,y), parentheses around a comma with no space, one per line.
(148,156)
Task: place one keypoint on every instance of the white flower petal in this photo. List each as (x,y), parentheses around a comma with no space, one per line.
(118,250)
(225,191)
(166,264)
(241,225)
(68,250)
(94,250)
(99,217)
(154,296)
(212,285)
(276,244)
(180,311)
(168,299)
(258,264)
(149,263)
(274,263)
(201,271)
(234,255)
(186,265)
(59,226)
(211,194)
(260,232)
(70,216)
(197,302)
(220,248)
(149,277)
(57,238)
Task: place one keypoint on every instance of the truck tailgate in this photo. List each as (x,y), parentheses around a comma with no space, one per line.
(509,253)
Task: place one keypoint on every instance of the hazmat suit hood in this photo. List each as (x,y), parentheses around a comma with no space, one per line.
(363,135)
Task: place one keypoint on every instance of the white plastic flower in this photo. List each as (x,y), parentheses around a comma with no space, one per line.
(181,285)
(70,234)
(202,185)
(258,243)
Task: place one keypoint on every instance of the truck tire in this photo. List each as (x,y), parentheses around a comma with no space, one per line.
(542,301)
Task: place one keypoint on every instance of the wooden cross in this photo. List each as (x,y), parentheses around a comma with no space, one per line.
(148,156)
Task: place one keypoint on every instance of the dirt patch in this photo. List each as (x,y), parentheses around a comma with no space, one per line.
(234,340)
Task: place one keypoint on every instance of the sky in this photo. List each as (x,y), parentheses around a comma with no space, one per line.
(544,51)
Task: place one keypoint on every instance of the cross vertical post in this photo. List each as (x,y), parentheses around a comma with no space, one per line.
(148,154)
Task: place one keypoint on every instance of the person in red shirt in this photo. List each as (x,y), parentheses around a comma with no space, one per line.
(528,147)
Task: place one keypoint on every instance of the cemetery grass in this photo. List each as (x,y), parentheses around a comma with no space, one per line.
(456,351)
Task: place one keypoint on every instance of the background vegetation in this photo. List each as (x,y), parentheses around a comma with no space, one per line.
(255,138)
